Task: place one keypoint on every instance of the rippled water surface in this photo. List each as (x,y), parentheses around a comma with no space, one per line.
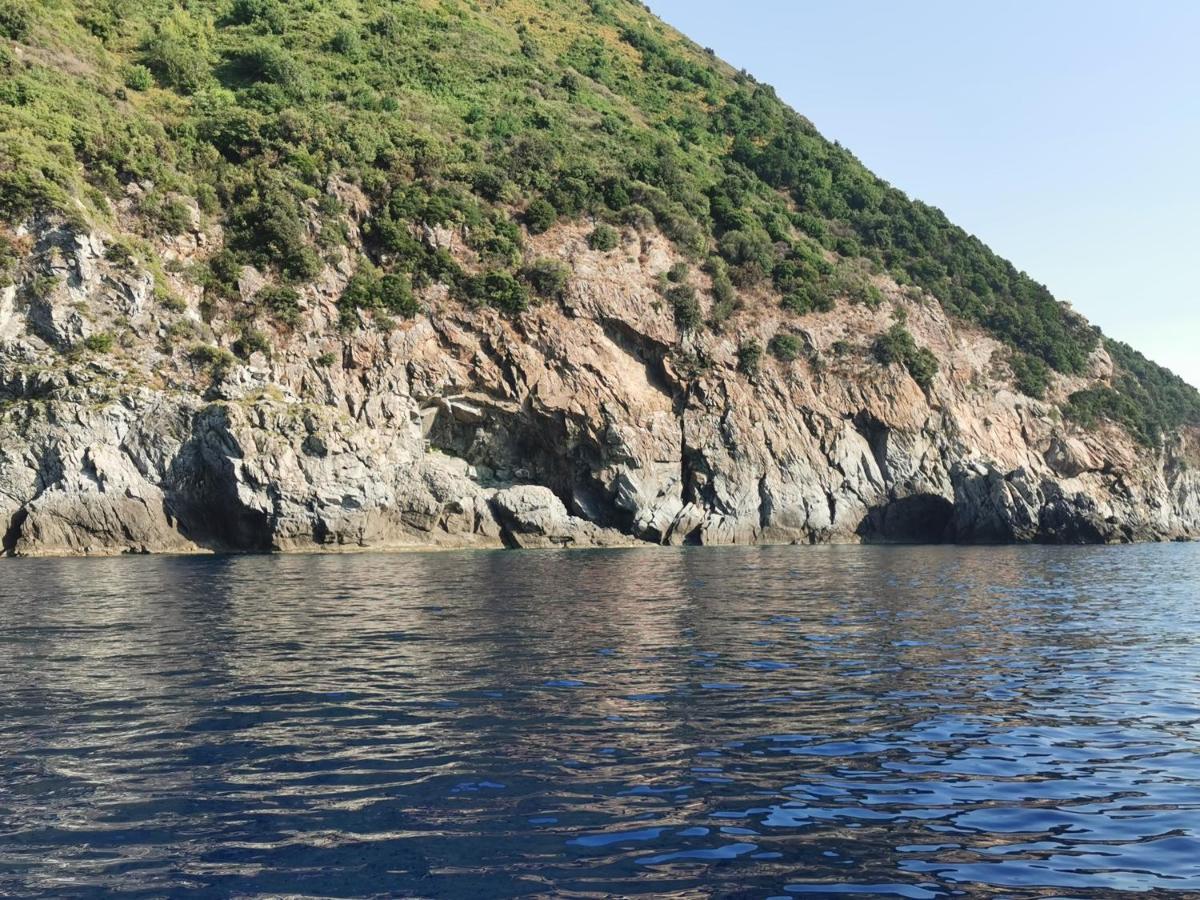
(785,722)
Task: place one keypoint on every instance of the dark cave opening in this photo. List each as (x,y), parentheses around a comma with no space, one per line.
(514,447)
(12,534)
(919,519)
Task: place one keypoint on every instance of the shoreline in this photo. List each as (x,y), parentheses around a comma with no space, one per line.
(634,544)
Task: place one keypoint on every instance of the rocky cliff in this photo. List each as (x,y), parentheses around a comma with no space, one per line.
(126,425)
(511,273)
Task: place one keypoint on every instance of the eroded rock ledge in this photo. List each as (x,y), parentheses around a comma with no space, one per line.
(590,422)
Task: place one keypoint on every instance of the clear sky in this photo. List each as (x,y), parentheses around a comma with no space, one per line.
(1064,133)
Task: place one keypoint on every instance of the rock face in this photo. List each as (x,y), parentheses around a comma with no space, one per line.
(587,422)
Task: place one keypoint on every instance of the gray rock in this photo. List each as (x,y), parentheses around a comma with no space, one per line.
(413,437)
(532,517)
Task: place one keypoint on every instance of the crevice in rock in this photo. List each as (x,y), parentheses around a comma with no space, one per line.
(919,519)
(507,538)
(12,534)
(876,434)
(502,362)
(765,506)
(201,495)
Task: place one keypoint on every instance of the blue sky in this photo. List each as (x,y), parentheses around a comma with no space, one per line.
(1065,134)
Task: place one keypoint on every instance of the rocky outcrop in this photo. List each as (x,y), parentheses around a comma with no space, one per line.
(587,422)
(534,518)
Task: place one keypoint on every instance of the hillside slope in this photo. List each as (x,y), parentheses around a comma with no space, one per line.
(365,273)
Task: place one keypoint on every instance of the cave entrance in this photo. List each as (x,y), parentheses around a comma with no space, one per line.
(919,519)
(509,445)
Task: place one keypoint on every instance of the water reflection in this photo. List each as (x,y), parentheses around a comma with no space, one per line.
(759,722)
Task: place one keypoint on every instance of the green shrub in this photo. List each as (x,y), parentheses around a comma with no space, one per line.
(798,301)
(215,359)
(490,184)
(719,314)
(823,301)
(361,292)
(251,341)
(10,259)
(282,302)
(678,273)
(499,289)
(121,253)
(894,345)
(220,274)
(615,193)
(99,343)
(808,298)
(167,215)
(604,238)
(396,296)
(345,41)
(268,62)
(852,280)
(685,305)
(750,251)
(923,366)
(723,290)
(897,346)
(368,289)
(15,19)
(138,78)
(169,301)
(1030,374)
(1161,399)
(785,347)
(725,299)
(750,354)
(638,217)
(540,216)
(1091,406)
(547,277)
(267,226)
(269,14)
(176,58)
(43,285)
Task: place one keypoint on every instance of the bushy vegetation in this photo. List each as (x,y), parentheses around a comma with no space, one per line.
(786,347)
(102,342)
(282,302)
(498,289)
(1146,398)
(15,20)
(604,238)
(686,306)
(898,346)
(10,255)
(213,359)
(547,277)
(370,289)
(1031,375)
(540,215)
(750,354)
(493,119)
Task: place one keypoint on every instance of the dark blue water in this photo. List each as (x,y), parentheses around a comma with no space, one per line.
(786,722)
